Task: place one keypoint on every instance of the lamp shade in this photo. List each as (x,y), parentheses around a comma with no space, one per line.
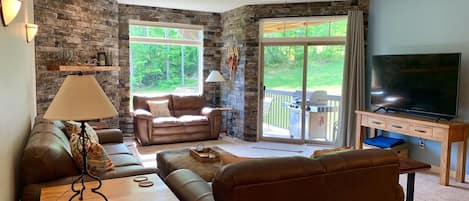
(31,31)
(80,98)
(10,9)
(215,76)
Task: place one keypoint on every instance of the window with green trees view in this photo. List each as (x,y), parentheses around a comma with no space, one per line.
(165,58)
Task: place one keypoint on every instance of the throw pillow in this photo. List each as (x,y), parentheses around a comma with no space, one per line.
(73,127)
(98,160)
(325,152)
(159,108)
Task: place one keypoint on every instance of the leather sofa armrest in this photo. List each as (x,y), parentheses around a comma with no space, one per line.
(189,186)
(214,117)
(206,111)
(143,121)
(110,136)
(143,114)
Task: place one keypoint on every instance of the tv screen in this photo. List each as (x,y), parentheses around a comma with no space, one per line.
(423,83)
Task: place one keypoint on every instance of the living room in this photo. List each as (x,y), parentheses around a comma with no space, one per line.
(70,33)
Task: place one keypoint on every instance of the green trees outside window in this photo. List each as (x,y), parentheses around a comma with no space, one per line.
(165,60)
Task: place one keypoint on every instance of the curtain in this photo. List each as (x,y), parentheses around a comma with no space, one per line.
(353,91)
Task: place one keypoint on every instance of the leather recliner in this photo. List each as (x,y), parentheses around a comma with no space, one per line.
(190,120)
(363,175)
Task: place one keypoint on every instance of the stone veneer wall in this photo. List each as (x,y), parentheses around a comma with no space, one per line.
(212,45)
(241,29)
(83,26)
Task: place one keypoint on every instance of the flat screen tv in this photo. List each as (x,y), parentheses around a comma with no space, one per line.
(425,84)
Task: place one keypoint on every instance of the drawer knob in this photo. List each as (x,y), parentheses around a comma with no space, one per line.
(396,126)
(376,122)
(420,131)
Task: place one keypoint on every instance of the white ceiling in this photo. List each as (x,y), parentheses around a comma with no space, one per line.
(217,6)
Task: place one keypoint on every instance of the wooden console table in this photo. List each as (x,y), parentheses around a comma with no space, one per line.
(445,132)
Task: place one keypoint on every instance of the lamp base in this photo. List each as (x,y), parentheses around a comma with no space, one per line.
(84,173)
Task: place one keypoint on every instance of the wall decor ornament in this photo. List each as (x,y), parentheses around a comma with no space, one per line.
(9,10)
(233,60)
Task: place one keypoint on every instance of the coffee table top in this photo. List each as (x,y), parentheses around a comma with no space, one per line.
(120,189)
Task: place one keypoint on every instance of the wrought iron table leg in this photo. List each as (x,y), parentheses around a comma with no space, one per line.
(410,186)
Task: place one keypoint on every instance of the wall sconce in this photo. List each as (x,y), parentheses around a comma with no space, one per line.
(31,31)
(10,9)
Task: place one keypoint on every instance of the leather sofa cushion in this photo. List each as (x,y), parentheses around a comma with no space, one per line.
(140,102)
(185,120)
(111,135)
(357,159)
(187,105)
(113,149)
(189,186)
(47,156)
(188,120)
(40,120)
(163,122)
(127,171)
(50,128)
(120,160)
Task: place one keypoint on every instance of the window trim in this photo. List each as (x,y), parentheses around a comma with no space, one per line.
(331,40)
(166,25)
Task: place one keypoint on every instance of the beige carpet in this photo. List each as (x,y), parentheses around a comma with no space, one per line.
(427,186)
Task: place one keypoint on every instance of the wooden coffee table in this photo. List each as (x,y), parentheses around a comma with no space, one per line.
(120,189)
(409,167)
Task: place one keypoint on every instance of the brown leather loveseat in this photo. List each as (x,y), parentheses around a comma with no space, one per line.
(190,120)
(363,175)
(47,158)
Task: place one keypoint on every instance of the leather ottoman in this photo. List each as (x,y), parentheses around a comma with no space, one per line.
(171,160)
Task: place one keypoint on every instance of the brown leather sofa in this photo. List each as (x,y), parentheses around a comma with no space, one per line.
(364,175)
(190,120)
(47,159)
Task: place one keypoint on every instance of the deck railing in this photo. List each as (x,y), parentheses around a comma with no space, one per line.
(278,114)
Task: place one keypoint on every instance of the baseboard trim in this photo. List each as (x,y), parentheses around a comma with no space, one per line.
(452,173)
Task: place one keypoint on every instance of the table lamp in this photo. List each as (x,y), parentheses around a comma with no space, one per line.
(80,98)
(215,77)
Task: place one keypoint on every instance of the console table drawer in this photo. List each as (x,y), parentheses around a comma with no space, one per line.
(397,126)
(421,131)
(376,122)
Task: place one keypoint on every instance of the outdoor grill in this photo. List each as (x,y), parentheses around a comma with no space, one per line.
(317,110)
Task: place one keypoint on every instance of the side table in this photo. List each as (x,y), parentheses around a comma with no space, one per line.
(120,189)
(227,110)
(409,167)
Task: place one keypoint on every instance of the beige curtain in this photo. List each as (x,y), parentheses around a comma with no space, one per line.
(353,91)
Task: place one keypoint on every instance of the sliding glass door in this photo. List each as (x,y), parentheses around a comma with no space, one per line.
(325,66)
(283,86)
(301,79)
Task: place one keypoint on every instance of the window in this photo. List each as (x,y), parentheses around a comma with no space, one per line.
(165,58)
(327,28)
